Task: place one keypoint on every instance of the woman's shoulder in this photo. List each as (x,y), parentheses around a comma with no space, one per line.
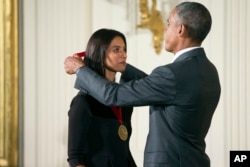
(81,97)
(80,104)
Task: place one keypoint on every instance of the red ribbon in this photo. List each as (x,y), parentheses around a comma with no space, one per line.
(118,113)
(81,54)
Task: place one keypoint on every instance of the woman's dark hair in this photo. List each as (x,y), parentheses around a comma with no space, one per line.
(97,46)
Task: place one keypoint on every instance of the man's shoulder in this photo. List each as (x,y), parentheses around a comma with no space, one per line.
(166,68)
(163,71)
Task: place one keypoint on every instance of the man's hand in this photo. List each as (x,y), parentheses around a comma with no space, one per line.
(72,63)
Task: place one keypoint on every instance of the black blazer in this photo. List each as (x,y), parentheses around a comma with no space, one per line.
(182,96)
(93,134)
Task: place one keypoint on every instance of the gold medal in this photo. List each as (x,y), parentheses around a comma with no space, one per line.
(123,132)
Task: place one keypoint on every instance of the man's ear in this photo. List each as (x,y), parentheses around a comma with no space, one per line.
(182,30)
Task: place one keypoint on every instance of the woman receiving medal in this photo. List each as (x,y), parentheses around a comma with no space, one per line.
(98,135)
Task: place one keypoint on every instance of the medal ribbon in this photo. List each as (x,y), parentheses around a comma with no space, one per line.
(118,113)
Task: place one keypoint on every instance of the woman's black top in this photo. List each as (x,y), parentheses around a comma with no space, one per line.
(93,134)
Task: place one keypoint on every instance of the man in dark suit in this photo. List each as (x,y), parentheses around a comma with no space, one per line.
(182,95)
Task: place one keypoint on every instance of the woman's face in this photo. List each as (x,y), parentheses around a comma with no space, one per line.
(116,55)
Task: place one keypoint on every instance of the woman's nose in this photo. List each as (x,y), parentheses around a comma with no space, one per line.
(123,53)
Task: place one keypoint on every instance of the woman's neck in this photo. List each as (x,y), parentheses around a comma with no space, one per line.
(110,75)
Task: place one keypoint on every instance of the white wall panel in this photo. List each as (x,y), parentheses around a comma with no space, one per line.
(53,29)
(236,75)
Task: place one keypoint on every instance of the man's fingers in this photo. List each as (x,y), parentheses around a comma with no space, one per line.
(68,65)
(67,59)
(75,55)
(71,64)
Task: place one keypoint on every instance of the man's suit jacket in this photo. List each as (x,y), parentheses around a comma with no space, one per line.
(182,96)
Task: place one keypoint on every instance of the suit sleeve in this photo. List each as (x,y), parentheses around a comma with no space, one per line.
(78,124)
(131,73)
(158,88)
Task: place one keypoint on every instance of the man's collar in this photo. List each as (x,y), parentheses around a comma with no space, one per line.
(183,51)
